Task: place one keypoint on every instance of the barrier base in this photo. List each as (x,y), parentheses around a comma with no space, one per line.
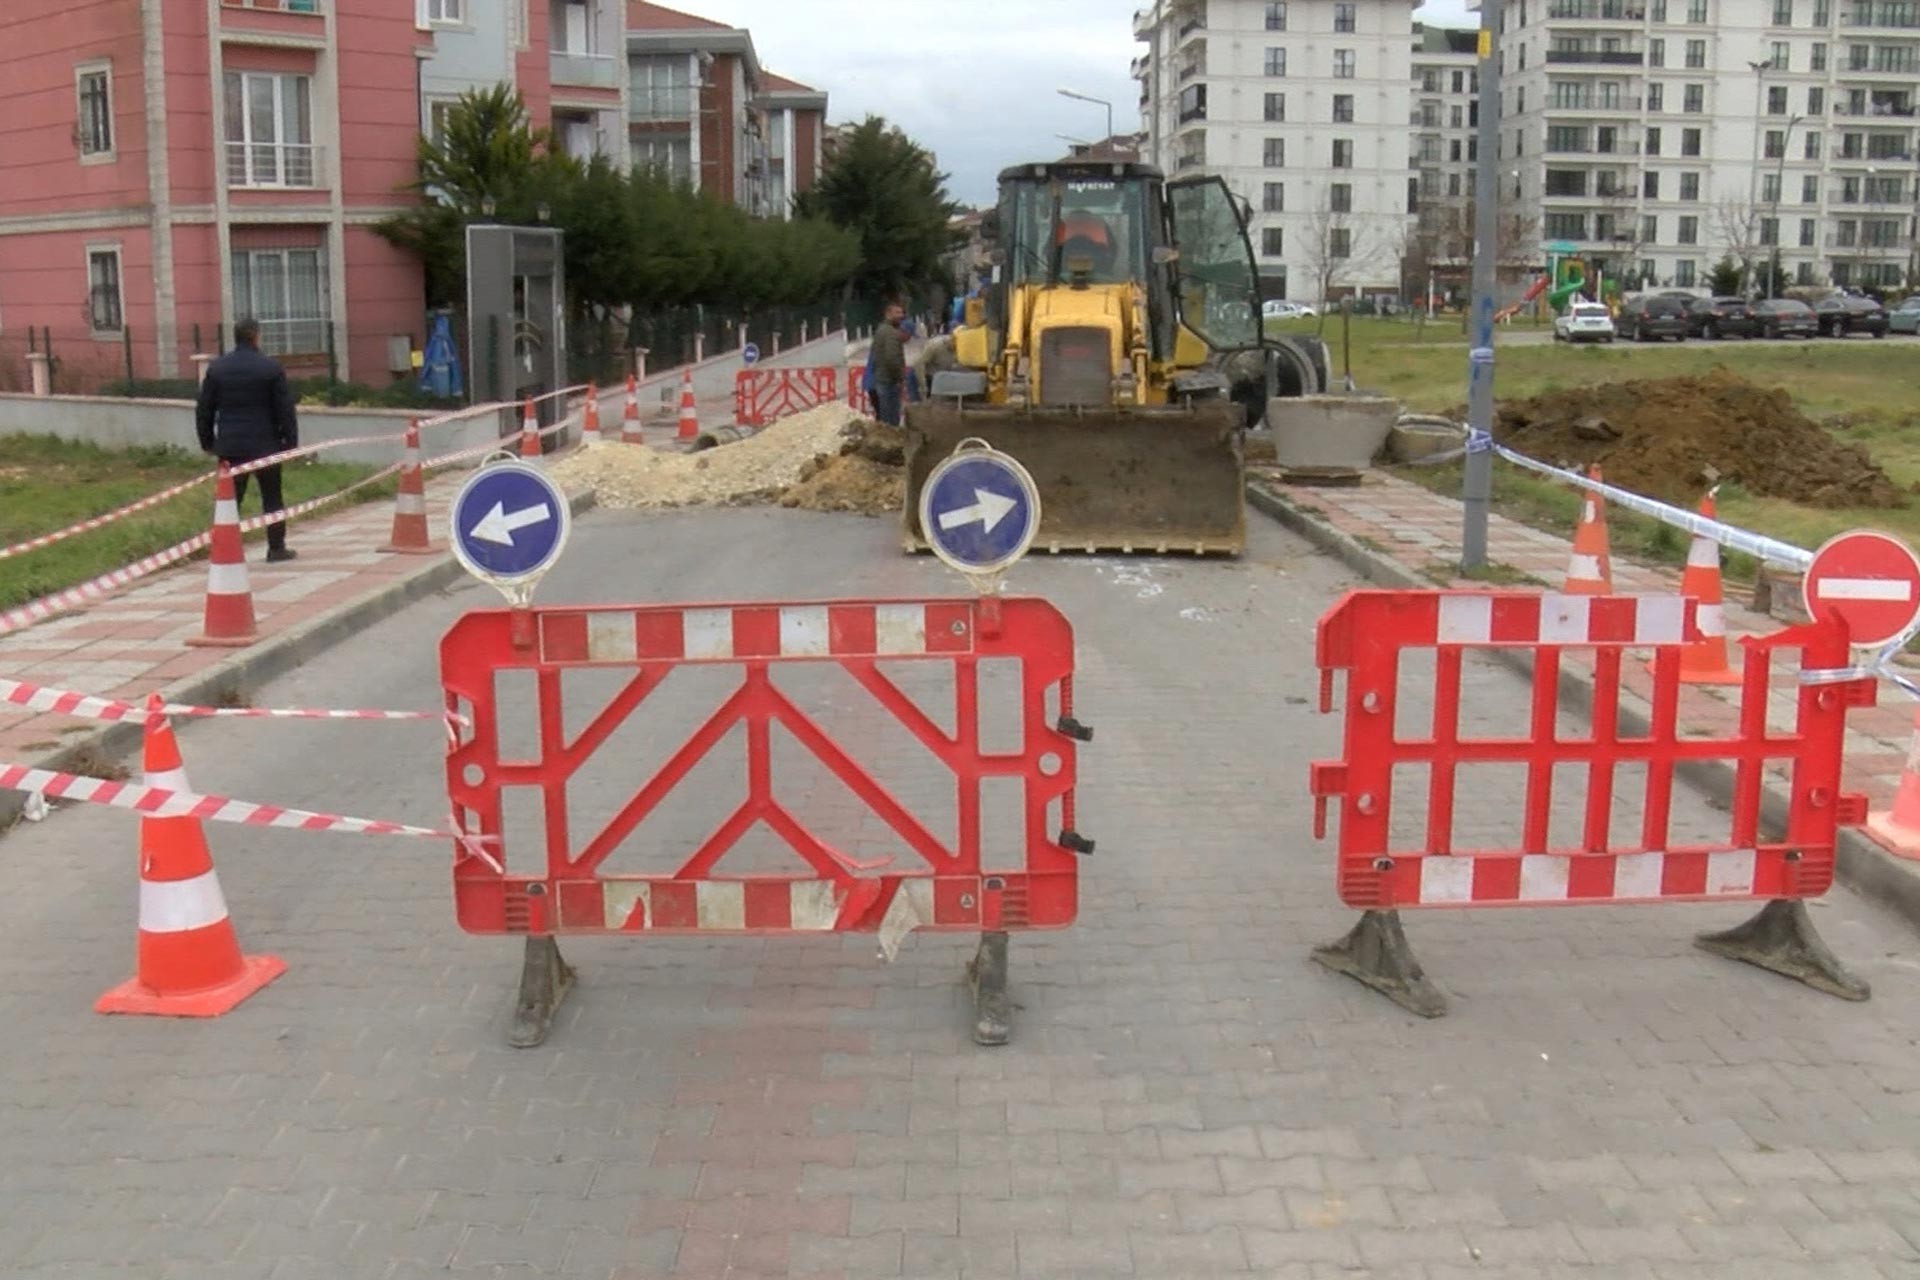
(1375,953)
(1781,938)
(987,975)
(545,980)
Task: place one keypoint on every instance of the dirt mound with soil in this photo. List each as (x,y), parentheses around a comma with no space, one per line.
(868,476)
(1660,436)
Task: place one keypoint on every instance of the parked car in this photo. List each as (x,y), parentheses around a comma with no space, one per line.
(1905,318)
(1584,322)
(1279,309)
(1785,318)
(1719,318)
(1843,315)
(1651,317)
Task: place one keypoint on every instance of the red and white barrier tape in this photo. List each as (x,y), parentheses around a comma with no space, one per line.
(69,702)
(73,597)
(105,518)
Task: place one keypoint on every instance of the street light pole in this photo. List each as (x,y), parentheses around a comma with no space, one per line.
(1779,184)
(1102,102)
(1476,491)
(1753,175)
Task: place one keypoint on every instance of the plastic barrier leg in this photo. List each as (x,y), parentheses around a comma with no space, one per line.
(545,980)
(987,975)
(1375,953)
(1782,939)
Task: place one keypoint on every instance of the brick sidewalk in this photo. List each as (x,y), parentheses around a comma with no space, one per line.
(1420,530)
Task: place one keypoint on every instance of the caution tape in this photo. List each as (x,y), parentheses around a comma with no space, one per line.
(106,518)
(70,702)
(73,597)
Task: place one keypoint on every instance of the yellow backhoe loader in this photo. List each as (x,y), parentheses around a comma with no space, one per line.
(1117,353)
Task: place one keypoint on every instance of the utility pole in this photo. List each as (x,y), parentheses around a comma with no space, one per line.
(1477,483)
(1752,232)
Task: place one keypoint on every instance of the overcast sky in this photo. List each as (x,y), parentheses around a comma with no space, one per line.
(974,82)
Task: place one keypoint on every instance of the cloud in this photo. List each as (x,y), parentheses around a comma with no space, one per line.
(975,84)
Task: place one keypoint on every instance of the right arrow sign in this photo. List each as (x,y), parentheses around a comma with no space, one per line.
(1869,580)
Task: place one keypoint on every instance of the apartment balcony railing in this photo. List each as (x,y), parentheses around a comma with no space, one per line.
(1593,149)
(1874,110)
(1897,16)
(584,70)
(274,164)
(1597,11)
(1593,102)
(1596,57)
(661,104)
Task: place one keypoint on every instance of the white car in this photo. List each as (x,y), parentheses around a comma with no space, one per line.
(1583,322)
(1282,310)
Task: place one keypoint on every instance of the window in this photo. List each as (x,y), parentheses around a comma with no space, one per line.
(1340,197)
(1277,15)
(1193,103)
(1777,57)
(1810,189)
(1859,56)
(1689,229)
(1650,185)
(286,291)
(1694,101)
(662,88)
(1656,97)
(1803,273)
(1343,153)
(1273,153)
(1656,53)
(1816,101)
(1822,13)
(1689,186)
(438,110)
(1777,100)
(1343,108)
(1696,11)
(668,156)
(1649,229)
(1683,276)
(443,13)
(1273,242)
(1775,145)
(1846,233)
(1807,226)
(1696,54)
(1453,184)
(1812,147)
(1782,13)
(1429,81)
(1689,142)
(94,84)
(1453,151)
(1770,188)
(1817,59)
(269,129)
(1566,226)
(1565,183)
(1455,118)
(1276,107)
(1850,190)
(1343,64)
(103,290)
(1566,138)
(1459,80)
(1343,16)
(1659,10)
(1339,242)
(1276,61)
(1653,142)
(1273,198)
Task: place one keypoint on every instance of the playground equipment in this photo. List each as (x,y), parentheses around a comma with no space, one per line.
(1567,278)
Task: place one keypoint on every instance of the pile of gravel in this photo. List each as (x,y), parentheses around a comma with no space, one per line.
(760,469)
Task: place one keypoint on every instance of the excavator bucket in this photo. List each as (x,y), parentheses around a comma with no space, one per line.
(1145,479)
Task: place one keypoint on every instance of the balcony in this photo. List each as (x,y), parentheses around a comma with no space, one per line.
(668,104)
(1872,110)
(1597,11)
(1596,58)
(274,166)
(1896,16)
(1620,104)
(1144,22)
(584,70)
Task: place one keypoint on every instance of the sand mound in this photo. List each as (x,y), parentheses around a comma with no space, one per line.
(759,469)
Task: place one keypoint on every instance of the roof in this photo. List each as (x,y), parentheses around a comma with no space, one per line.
(773,83)
(1457,40)
(655,29)
(642,16)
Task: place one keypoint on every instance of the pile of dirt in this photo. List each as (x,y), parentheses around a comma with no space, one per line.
(868,476)
(762,468)
(1662,437)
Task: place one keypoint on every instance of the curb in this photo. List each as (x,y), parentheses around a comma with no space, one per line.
(1859,861)
(273,656)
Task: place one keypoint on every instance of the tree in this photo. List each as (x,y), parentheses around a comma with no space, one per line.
(1738,222)
(1726,277)
(884,188)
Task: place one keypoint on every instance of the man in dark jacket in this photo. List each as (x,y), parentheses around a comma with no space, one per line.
(245,413)
(889,358)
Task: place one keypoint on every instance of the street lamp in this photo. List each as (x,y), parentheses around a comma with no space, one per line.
(1099,102)
(1759,70)
(1779,184)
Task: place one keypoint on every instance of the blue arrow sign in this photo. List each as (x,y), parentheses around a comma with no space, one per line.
(749,353)
(509,523)
(979,511)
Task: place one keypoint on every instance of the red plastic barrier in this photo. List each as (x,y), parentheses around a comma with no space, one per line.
(857,392)
(762,395)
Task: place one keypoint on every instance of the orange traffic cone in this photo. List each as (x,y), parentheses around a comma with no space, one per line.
(189,963)
(1704,661)
(229,615)
(630,416)
(1590,567)
(689,415)
(529,431)
(410,506)
(590,417)
(1899,827)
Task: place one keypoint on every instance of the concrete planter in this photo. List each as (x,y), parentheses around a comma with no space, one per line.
(1330,433)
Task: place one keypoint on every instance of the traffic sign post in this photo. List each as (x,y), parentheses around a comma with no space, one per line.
(1870,581)
(979,512)
(750,353)
(510,524)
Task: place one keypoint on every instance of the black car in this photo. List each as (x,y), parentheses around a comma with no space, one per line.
(1653,316)
(1719,318)
(1843,315)
(1784,318)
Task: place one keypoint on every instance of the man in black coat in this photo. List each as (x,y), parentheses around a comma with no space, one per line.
(245,413)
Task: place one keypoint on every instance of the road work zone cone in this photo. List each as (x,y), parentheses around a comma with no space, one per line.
(410,507)
(529,431)
(1899,827)
(1704,661)
(590,417)
(630,416)
(1590,567)
(229,615)
(689,414)
(189,963)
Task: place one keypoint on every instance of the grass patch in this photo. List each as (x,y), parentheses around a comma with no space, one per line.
(47,484)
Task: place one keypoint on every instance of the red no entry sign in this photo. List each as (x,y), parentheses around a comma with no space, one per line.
(1870,580)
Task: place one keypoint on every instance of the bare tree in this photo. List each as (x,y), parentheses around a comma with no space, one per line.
(1738,222)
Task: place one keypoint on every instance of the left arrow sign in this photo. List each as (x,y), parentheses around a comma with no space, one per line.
(498,527)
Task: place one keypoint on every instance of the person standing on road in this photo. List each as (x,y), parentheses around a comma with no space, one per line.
(889,358)
(246,413)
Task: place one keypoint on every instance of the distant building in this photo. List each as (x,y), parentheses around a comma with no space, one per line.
(1121,146)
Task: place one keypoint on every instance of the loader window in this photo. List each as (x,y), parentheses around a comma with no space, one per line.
(1106,225)
(1217,284)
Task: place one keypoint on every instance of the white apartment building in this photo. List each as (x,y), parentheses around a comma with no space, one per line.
(1303,107)
(1446,113)
(1659,135)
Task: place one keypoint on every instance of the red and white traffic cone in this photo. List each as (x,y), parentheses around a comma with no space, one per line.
(529,431)
(1590,567)
(1899,827)
(188,962)
(590,417)
(410,505)
(1704,661)
(630,416)
(689,413)
(229,614)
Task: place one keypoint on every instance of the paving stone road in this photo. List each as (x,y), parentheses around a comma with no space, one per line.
(1186,1095)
